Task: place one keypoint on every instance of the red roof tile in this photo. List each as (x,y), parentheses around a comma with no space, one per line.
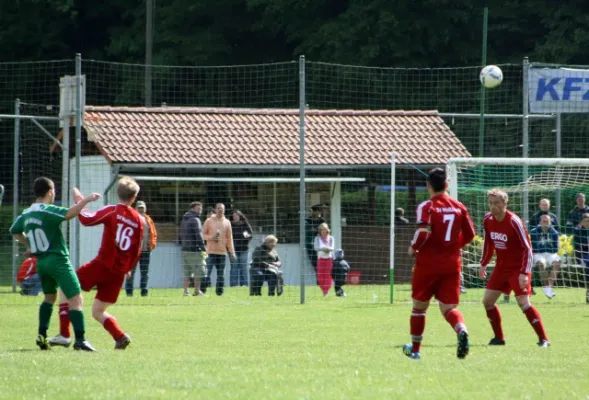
(228,136)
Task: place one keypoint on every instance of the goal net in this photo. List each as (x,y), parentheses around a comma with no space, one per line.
(535,186)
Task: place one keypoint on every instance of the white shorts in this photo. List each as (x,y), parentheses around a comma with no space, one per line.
(546,258)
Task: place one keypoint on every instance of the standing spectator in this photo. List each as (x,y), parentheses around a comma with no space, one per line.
(399,217)
(27,277)
(339,273)
(576,214)
(581,244)
(266,267)
(219,236)
(545,248)
(544,210)
(148,244)
(206,282)
(242,234)
(324,246)
(311,225)
(193,248)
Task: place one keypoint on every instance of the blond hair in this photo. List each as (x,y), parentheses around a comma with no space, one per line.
(127,189)
(498,193)
(270,239)
(323,226)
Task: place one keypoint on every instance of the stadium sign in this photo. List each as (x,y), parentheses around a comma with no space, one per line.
(558,90)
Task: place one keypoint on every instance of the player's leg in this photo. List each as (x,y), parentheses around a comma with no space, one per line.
(554,269)
(49,285)
(144,270)
(448,296)
(531,313)
(107,294)
(64,337)
(200,272)
(490,298)
(422,290)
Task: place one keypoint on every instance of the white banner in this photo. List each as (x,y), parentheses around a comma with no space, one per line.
(558,90)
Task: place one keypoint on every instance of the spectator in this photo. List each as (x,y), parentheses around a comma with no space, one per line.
(266,267)
(544,210)
(206,282)
(399,217)
(193,249)
(545,248)
(242,234)
(581,243)
(219,236)
(339,273)
(324,246)
(27,277)
(311,225)
(576,214)
(148,244)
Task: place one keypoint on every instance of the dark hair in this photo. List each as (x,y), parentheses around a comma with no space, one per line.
(41,186)
(437,179)
(195,203)
(242,217)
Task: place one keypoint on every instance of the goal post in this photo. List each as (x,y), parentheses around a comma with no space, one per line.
(527,181)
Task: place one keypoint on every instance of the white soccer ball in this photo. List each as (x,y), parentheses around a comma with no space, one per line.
(491,76)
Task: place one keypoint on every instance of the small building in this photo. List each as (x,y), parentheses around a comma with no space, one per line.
(248,159)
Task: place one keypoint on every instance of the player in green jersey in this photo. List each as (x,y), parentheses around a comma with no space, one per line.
(38,228)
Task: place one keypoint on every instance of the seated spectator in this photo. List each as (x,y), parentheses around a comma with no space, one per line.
(545,248)
(339,273)
(266,267)
(581,244)
(544,210)
(399,217)
(576,214)
(27,277)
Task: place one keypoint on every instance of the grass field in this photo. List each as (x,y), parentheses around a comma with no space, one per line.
(266,348)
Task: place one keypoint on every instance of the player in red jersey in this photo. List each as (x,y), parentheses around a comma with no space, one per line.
(506,235)
(444,227)
(119,253)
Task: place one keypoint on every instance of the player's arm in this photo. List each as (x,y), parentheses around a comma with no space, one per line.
(17,232)
(88,218)
(423,231)
(488,250)
(75,210)
(468,231)
(520,231)
(21,238)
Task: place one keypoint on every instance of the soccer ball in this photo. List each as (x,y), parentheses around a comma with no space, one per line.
(491,76)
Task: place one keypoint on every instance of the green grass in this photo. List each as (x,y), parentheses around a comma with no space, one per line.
(236,347)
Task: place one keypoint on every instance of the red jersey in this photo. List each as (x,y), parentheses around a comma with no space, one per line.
(121,240)
(28,268)
(445,227)
(509,238)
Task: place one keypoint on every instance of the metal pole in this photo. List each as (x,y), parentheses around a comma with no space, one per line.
(526,138)
(392,239)
(148,50)
(302,193)
(274,208)
(78,116)
(65,171)
(482,94)
(177,203)
(558,155)
(15,188)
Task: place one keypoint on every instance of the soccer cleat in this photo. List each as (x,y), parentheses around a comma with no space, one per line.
(497,342)
(548,292)
(122,342)
(408,351)
(42,342)
(462,290)
(463,345)
(200,294)
(544,343)
(60,341)
(185,294)
(83,345)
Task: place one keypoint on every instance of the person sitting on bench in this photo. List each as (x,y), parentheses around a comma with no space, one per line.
(266,267)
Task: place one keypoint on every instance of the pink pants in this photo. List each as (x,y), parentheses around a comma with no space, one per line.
(324,267)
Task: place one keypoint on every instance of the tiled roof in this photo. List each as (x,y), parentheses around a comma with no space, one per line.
(222,136)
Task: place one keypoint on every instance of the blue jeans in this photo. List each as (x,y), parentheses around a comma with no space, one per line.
(238,274)
(144,269)
(217,261)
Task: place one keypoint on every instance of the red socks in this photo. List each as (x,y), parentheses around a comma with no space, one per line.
(417,323)
(111,326)
(495,319)
(64,320)
(536,321)
(455,319)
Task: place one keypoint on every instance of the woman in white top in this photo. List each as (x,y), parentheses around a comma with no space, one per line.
(324,246)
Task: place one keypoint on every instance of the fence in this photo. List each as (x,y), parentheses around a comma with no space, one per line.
(353,194)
